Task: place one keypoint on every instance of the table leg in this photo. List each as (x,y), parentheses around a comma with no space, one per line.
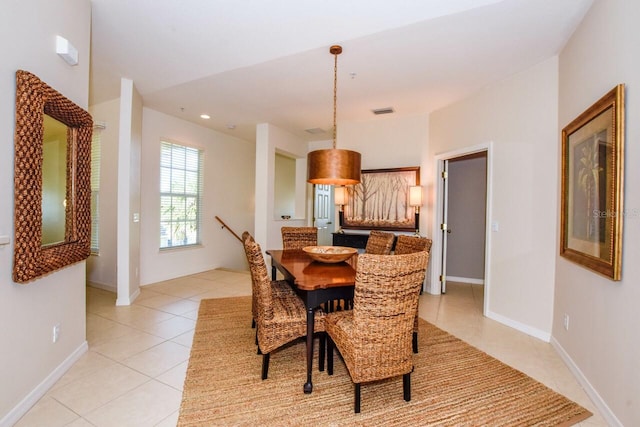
(308,386)
(273,272)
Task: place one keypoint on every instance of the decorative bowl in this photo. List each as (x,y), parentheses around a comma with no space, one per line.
(330,254)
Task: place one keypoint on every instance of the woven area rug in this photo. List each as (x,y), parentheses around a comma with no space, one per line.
(453,384)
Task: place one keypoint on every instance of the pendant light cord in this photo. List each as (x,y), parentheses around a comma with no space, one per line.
(335,50)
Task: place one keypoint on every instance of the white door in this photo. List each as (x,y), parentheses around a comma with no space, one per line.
(444,227)
(323,212)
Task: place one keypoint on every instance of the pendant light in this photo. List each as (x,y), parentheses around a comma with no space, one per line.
(334,166)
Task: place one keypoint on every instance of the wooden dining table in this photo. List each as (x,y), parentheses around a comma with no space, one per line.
(316,283)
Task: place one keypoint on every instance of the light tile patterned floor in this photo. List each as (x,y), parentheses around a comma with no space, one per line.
(133,373)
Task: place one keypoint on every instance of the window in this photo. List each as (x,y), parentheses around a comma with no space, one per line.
(95,187)
(180,195)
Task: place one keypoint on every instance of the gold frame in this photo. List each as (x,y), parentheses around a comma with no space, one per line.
(592,208)
(34,98)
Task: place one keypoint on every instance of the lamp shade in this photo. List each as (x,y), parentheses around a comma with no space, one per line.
(415,195)
(333,167)
(340,196)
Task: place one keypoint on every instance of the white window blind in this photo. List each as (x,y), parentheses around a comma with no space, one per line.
(95,188)
(180,195)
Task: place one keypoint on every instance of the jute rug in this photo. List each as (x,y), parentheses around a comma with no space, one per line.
(453,384)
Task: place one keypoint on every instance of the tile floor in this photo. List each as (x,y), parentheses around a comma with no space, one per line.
(133,373)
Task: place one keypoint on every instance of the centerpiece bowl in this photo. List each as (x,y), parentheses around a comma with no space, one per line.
(330,254)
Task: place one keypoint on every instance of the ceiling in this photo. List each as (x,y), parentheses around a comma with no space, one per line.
(245,62)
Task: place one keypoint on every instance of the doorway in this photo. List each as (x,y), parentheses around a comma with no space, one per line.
(323,213)
(461,219)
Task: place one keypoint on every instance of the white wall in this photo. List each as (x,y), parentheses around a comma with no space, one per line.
(603,343)
(29,361)
(270,139)
(128,219)
(519,116)
(284,186)
(386,142)
(389,142)
(229,171)
(101,269)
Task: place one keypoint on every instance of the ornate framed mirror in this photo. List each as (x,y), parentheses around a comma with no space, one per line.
(62,206)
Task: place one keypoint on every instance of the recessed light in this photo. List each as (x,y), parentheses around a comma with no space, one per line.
(205,116)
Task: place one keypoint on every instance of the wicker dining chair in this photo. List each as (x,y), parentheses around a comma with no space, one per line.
(379,243)
(279,287)
(299,237)
(374,338)
(281,318)
(407,245)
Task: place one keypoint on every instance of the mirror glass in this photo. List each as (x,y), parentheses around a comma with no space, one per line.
(54,181)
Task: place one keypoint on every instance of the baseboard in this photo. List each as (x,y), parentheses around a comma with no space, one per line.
(603,408)
(128,300)
(536,333)
(41,389)
(103,286)
(465,280)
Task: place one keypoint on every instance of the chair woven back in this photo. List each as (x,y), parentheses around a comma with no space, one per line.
(299,237)
(410,244)
(261,283)
(247,237)
(379,243)
(384,307)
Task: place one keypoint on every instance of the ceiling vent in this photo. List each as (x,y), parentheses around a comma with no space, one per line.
(314,131)
(387,110)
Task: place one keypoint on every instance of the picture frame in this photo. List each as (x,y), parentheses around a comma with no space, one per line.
(592,206)
(381,200)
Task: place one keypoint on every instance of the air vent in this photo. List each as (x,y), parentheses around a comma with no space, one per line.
(387,110)
(314,131)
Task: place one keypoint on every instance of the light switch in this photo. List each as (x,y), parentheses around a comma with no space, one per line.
(136,217)
(495,226)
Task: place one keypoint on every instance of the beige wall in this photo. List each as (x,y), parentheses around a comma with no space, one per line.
(229,171)
(602,343)
(518,117)
(29,361)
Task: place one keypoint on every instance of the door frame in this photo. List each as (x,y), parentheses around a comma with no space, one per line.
(436,251)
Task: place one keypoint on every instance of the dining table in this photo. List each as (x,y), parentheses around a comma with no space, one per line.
(315,283)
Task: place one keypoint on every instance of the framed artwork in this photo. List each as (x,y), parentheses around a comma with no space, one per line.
(381,200)
(592,209)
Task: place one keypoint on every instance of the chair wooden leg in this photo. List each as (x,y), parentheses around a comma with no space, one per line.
(406,386)
(329,355)
(259,352)
(415,342)
(322,337)
(356,405)
(265,365)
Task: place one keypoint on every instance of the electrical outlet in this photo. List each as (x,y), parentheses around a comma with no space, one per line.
(56,332)
(566,322)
